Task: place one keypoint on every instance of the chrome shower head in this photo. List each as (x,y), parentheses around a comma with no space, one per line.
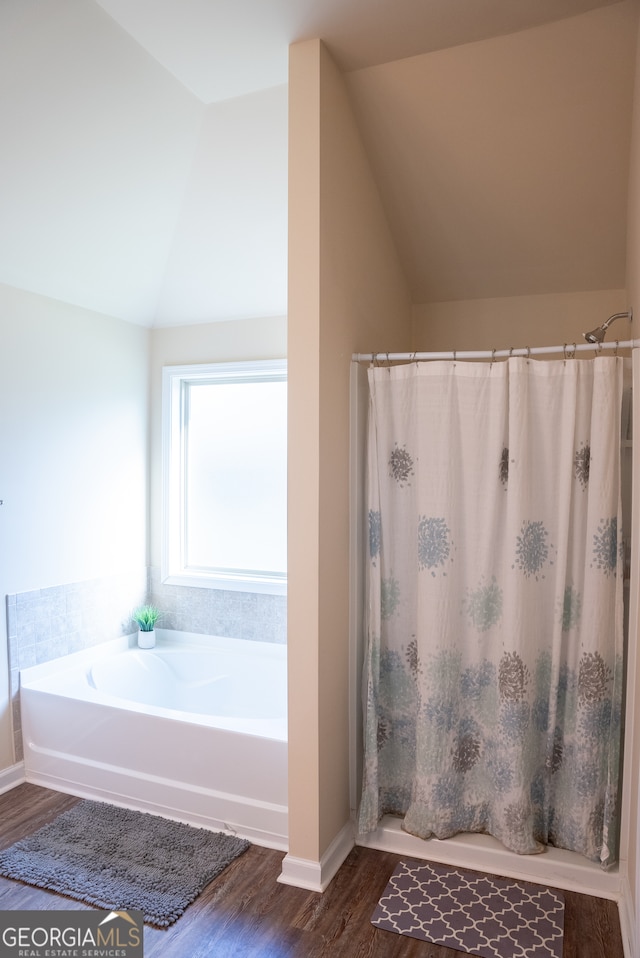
(597,335)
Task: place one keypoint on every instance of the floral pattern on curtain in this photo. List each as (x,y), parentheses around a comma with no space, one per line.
(494,666)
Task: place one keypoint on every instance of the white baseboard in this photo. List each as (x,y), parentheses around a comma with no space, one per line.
(554,866)
(12,776)
(627,919)
(315,876)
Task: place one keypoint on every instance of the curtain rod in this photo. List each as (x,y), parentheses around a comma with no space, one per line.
(569,351)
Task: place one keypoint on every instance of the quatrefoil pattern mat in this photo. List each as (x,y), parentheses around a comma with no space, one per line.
(471,912)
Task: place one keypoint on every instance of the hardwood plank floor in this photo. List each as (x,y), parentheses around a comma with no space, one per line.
(245,913)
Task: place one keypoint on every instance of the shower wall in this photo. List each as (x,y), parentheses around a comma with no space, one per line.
(543,320)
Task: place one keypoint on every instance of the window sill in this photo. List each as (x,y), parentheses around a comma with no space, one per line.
(230,583)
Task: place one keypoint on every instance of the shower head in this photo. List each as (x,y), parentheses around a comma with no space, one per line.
(597,335)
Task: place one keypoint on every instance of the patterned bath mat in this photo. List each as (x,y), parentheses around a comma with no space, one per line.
(122,860)
(471,912)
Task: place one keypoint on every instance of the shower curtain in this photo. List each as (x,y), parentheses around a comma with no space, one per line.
(493,675)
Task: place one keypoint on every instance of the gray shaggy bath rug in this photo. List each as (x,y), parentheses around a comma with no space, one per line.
(119,859)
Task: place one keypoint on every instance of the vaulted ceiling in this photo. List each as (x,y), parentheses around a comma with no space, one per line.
(504,171)
(143,165)
(226,48)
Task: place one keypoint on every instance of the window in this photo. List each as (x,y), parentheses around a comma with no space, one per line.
(225,475)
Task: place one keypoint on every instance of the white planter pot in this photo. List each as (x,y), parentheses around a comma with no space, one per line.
(146,640)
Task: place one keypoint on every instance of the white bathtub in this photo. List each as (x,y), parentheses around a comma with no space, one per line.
(194,729)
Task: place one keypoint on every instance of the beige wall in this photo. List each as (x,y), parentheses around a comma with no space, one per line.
(73,430)
(503,163)
(346,293)
(633,207)
(632,770)
(202,343)
(543,320)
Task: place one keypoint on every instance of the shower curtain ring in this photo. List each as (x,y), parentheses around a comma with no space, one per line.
(493,356)
(528,353)
(615,352)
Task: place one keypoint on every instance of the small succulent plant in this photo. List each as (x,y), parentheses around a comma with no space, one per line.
(146,617)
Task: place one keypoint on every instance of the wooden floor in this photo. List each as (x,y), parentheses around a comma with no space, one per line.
(245,913)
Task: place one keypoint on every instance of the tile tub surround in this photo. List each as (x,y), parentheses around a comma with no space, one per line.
(258,617)
(44,624)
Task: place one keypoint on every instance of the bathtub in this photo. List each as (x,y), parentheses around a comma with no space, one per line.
(195,729)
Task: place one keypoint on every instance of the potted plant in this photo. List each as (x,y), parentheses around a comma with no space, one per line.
(145,617)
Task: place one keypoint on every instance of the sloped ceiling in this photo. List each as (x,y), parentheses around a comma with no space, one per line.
(503,165)
(226,48)
(143,165)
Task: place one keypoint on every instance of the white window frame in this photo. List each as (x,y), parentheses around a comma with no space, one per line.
(174,378)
